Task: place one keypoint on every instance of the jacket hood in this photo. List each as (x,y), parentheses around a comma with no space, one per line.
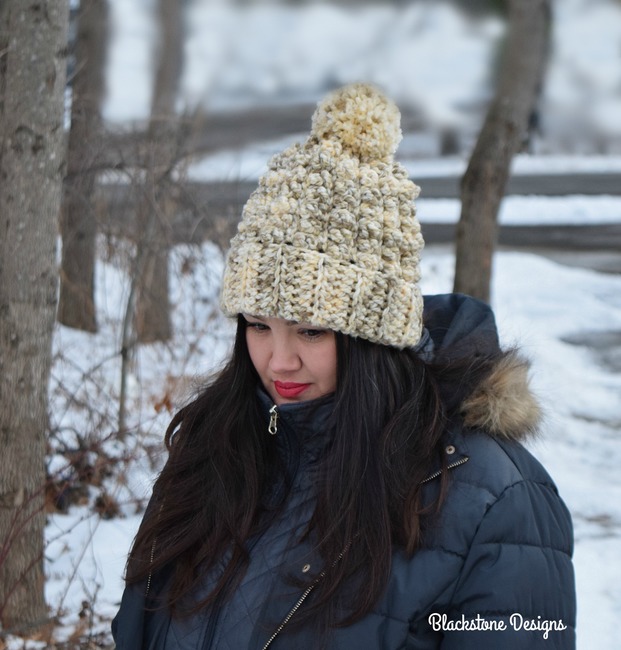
(502,404)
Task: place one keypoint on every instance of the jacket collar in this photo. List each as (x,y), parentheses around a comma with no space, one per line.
(301,426)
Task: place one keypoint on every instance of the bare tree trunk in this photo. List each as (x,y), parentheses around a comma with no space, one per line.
(34,34)
(76,306)
(153,304)
(505,126)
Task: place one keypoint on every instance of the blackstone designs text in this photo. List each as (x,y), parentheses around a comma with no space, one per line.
(442,623)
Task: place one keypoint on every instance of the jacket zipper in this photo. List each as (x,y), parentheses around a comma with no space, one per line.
(292,611)
(146,592)
(303,597)
(273,425)
(437,473)
(152,556)
(310,588)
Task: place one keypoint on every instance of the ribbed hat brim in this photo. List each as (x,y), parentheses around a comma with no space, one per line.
(308,286)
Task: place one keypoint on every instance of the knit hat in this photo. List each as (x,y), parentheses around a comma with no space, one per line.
(330,236)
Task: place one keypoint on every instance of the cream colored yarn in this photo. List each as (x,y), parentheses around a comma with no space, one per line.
(330,236)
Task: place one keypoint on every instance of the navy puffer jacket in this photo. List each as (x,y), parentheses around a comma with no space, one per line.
(495,571)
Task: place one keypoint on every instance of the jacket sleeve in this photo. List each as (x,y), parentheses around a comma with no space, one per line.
(127,625)
(516,588)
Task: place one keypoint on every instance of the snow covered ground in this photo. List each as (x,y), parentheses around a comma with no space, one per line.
(565,319)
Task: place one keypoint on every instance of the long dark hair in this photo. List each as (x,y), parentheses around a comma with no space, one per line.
(390,411)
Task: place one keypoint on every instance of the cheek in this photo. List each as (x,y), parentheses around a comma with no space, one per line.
(327,366)
(256,351)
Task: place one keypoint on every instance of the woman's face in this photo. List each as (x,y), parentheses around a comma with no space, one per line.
(295,361)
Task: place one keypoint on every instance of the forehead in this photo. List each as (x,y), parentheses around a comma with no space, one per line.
(270,319)
(274,320)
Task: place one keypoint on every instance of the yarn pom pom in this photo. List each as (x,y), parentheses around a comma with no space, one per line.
(362,119)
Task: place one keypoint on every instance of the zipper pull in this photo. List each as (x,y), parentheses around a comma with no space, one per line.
(273,426)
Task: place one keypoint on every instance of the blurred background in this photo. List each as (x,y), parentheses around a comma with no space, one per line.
(438,60)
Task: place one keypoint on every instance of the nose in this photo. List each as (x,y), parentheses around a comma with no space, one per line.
(285,358)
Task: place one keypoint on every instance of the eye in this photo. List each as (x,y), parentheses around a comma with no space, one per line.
(310,333)
(256,326)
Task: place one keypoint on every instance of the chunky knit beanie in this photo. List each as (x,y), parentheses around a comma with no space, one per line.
(330,236)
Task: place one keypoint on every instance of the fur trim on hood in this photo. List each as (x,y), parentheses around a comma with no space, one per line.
(504,404)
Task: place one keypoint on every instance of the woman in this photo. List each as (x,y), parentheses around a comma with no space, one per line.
(353,478)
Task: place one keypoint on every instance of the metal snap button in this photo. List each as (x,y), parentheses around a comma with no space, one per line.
(450,449)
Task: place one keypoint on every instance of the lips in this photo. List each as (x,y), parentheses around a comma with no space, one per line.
(289,388)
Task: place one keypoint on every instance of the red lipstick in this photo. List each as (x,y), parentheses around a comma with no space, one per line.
(289,388)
